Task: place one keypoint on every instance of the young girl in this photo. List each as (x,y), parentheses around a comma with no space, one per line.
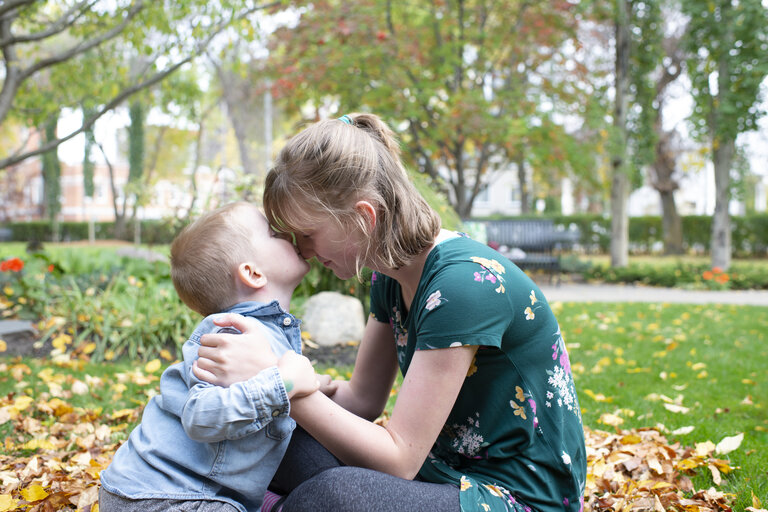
(487,416)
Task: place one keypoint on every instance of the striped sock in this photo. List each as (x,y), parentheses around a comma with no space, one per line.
(270,500)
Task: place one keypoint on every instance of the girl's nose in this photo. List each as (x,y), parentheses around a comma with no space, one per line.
(305,247)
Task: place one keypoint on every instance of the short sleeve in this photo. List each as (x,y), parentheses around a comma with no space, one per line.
(378,298)
(465,303)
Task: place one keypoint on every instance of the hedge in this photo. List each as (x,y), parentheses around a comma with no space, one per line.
(749,233)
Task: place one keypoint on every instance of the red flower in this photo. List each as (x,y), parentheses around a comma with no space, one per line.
(717,270)
(50,267)
(707,275)
(13,265)
(721,278)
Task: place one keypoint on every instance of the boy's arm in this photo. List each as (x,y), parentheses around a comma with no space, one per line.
(212,413)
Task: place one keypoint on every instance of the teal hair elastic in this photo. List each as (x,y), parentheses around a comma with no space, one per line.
(346,119)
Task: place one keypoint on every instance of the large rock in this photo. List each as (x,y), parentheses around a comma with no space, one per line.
(331,318)
(20,339)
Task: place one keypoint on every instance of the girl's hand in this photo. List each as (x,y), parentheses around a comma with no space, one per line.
(228,358)
(298,375)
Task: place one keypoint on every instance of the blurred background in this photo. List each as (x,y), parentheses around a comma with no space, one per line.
(122,119)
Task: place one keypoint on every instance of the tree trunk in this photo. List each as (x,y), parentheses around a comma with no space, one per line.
(721,221)
(620,180)
(671,224)
(525,200)
(665,184)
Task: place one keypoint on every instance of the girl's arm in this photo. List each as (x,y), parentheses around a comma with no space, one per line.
(367,391)
(425,400)
(225,359)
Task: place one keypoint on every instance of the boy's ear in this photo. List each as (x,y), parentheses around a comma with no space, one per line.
(251,276)
(368,211)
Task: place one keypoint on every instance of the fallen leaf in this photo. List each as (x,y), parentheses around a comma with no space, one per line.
(676,408)
(729,444)
(34,492)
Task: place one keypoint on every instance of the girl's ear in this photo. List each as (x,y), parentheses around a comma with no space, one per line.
(251,276)
(368,212)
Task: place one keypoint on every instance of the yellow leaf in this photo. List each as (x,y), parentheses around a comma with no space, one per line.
(38,444)
(611,420)
(3,346)
(728,444)
(165,354)
(152,366)
(631,439)
(122,413)
(89,348)
(34,493)
(705,449)
(686,464)
(7,503)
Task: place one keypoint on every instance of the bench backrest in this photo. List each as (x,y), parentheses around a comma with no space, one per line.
(525,234)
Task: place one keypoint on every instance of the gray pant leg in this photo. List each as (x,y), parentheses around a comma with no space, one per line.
(351,489)
(109,502)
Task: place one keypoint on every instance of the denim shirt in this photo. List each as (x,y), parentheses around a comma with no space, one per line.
(197,441)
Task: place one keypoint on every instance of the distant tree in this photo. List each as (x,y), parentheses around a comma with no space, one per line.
(51,176)
(472,86)
(56,53)
(620,158)
(728,43)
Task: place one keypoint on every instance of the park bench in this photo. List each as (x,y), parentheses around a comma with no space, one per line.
(531,244)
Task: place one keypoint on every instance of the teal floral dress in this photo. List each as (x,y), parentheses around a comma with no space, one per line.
(514,438)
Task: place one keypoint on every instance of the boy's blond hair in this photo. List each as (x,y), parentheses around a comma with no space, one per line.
(329,166)
(205,257)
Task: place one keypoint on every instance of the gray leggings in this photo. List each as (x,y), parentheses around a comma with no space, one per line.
(314,480)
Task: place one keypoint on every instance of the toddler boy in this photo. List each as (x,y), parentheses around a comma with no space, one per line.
(203,447)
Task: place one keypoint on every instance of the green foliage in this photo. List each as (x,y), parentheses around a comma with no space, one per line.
(749,233)
(727,42)
(681,274)
(98,304)
(469,86)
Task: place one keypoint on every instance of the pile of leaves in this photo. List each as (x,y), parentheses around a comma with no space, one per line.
(639,470)
(53,452)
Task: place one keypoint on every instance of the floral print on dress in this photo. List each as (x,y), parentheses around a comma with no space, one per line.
(520,410)
(493,497)
(400,332)
(491,272)
(466,439)
(434,300)
(562,391)
(530,310)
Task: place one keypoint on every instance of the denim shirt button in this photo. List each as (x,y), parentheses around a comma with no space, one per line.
(286,321)
(275,414)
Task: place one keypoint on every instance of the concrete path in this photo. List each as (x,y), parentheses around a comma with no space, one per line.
(579,292)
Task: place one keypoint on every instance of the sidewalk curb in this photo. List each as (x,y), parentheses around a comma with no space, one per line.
(569,292)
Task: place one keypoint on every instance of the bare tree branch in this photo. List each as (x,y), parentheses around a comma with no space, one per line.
(129,91)
(65,21)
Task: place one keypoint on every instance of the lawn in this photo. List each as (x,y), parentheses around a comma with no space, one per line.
(695,373)
(688,383)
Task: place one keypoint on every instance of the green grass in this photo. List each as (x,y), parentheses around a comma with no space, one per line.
(711,359)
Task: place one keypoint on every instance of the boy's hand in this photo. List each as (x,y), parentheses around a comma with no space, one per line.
(328,385)
(298,375)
